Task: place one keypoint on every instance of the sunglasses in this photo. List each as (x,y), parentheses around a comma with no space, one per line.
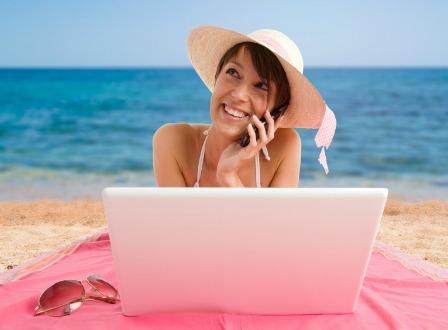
(64,297)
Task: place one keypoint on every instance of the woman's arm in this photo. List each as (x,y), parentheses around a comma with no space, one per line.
(165,142)
(287,174)
(232,180)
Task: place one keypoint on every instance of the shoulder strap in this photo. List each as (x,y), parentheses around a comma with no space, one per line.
(257,170)
(201,160)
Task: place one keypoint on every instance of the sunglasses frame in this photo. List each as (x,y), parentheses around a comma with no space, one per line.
(39,310)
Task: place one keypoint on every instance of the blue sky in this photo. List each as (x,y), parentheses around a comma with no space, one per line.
(153,33)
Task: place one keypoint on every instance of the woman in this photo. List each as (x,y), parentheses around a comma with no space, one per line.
(249,76)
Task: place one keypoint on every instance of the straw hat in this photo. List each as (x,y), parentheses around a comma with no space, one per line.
(307,109)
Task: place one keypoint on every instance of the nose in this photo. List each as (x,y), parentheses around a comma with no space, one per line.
(241,93)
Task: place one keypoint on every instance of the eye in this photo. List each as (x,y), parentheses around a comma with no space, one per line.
(262,85)
(232,72)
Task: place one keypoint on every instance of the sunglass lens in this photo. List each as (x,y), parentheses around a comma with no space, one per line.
(60,298)
(102,286)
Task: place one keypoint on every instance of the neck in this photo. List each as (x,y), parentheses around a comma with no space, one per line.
(216,144)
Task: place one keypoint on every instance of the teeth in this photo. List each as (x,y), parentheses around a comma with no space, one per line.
(234,113)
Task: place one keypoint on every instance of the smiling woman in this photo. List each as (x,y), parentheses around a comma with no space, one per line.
(259,95)
(254,64)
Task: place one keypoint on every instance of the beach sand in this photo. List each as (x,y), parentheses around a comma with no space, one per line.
(29,229)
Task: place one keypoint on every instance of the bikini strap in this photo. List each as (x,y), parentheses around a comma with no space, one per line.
(201,159)
(257,171)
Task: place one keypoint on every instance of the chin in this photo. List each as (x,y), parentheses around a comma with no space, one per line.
(228,125)
(231,133)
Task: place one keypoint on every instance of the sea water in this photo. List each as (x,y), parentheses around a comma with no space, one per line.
(67,133)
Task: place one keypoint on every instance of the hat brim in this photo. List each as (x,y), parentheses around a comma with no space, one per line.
(207,45)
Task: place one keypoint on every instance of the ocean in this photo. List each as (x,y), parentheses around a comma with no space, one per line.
(68,133)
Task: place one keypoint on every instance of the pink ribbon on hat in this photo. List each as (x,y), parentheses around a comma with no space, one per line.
(324,136)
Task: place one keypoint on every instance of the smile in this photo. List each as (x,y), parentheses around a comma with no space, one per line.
(235,113)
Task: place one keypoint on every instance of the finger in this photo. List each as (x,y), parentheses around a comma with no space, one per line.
(261,129)
(253,137)
(271,125)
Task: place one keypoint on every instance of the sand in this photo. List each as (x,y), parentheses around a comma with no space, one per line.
(28,229)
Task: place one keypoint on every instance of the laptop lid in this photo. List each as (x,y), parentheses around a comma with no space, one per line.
(242,250)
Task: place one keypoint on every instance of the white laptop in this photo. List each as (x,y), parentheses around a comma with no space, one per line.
(270,251)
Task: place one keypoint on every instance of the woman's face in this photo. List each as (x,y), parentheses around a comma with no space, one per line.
(238,94)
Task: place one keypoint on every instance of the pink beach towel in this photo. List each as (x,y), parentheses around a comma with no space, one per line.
(399,292)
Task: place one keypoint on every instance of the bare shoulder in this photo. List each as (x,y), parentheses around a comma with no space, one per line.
(177,130)
(176,135)
(174,147)
(287,135)
(285,150)
(172,133)
(180,139)
(285,141)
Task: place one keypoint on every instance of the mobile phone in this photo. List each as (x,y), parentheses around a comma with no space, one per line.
(275,114)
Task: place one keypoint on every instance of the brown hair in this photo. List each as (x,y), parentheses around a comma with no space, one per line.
(267,66)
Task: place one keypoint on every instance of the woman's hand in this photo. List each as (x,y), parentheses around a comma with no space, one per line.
(233,156)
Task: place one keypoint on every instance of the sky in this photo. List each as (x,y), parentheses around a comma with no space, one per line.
(137,33)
